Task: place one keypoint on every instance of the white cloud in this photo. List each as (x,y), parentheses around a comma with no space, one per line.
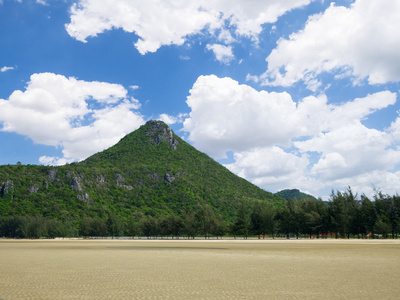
(224,112)
(54,161)
(183,57)
(361,42)
(328,143)
(222,53)
(351,150)
(394,129)
(134,87)
(271,167)
(382,180)
(172,119)
(159,23)
(5,69)
(80,117)
(253,78)
(167,119)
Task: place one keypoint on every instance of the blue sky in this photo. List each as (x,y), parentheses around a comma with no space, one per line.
(287,94)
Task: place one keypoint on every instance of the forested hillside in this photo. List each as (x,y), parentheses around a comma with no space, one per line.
(150,172)
(293,194)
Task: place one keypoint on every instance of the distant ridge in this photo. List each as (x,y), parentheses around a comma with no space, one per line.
(294,194)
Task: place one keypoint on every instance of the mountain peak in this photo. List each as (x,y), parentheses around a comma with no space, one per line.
(160,132)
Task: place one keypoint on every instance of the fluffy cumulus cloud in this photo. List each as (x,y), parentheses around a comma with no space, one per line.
(226,116)
(279,143)
(80,117)
(360,42)
(159,23)
(350,150)
(271,167)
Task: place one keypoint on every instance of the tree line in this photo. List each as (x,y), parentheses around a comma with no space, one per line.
(345,215)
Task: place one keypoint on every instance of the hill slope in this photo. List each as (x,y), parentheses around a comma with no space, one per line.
(151,171)
(294,194)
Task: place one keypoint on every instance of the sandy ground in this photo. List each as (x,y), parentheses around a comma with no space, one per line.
(228,269)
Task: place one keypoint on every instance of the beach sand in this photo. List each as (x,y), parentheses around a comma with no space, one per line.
(199,269)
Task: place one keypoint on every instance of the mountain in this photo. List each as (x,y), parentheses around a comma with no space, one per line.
(150,171)
(294,194)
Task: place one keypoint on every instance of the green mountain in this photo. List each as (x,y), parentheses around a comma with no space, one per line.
(294,194)
(150,171)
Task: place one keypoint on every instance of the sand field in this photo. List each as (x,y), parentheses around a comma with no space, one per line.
(182,269)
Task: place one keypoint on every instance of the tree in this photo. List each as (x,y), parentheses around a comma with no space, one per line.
(149,226)
(21,226)
(389,208)
(242,223)
(206,219)
(382,226)
(92,227)
(37,227)
(257,219)
(190,224)
(175,225)
(287,217)
(262,219)
(114,225)
(343,211)
(220,228)
(55,228)
(368,215)
(133,227)
(311,219)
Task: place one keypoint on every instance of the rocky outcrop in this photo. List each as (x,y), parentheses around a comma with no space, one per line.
(75,182)
(169,178)
(154,176)
(127,187)
(100,179)
(120,182)
(52,174)
(84,197)
(33,189)
(160,133)
(45,184)
(7,187)
(119,179)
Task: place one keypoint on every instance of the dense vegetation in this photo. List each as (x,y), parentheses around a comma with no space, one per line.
(294,194)
(150,172)
(344,216)
(152,183)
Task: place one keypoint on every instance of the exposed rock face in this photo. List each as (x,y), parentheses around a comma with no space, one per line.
(33,189)
(160,134)
(169,178)
(154,176)
(75,182)
(84,197)
(120,179)
(52,174)
(101,179)
(7,187)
